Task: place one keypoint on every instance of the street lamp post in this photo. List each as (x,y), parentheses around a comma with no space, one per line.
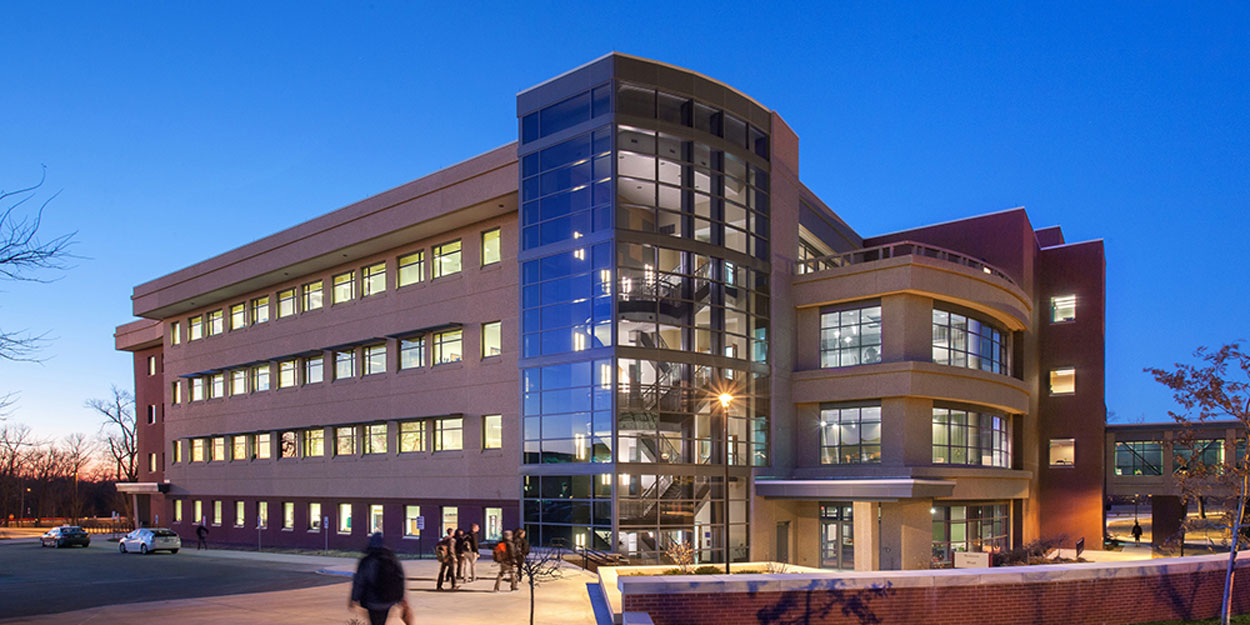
(725,400)
(21,508)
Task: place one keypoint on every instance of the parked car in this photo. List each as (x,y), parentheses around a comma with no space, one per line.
(149,539)
(65,536)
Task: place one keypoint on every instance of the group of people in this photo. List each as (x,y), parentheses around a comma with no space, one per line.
(379,583)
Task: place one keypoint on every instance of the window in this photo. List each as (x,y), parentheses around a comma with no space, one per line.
(448,434)
(240,517)
(238,447)
(451,519)
(238,317)
(260,378)
(375,438)
(151,414)
(492,340)
(344,364)
(286,374)
(411,268)
(286,303)
(312,370)
(447,346)
(411,436)
(1062,308)
(375,359)
(219,448)
(375,518)
(494,523)
(197,450)
(490,247)
(345,518)
(216,512)
(311,295)
(344,287)
(288,515)
(151,365)
(345,441)
(196,328)
(314,443)
(1138,458)
(260,310)
(971,438)
(261,447)
(217,386)
(1062,452)
(216,323)
(177,511)
(1063,381)
(1204,455)
(197,389)
(152,463)
(447,259)
(373,279)
(492,431)
(175,392)
(411,514)
(968,528)
(199,511)
(964,341)
(175,333)
(262,514)
(850,434)
(288,446)
(412,352)
(314,517)
(177,451)
(850,337)
(238,382)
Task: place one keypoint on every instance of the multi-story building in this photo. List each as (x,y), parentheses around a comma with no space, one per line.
(632,327)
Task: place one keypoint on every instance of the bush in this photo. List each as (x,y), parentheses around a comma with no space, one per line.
(708,569)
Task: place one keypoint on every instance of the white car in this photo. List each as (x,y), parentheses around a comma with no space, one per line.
(149,539)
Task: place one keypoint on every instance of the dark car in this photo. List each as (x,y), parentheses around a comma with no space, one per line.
(65,536)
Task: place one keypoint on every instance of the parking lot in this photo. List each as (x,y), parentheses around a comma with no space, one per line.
(36,580)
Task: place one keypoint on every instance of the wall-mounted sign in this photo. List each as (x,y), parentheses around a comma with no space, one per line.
(972,560)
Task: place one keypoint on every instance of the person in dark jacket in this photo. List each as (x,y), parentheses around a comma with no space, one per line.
(471,554)
(505,555)
(1136,531)
(522,545)
(378,584)
(201,533)
(445,552)
(462,553)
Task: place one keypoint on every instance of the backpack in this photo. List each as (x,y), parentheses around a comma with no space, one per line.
(390,580)
(500,552)
(442,552)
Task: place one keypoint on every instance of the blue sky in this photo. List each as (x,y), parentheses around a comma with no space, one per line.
(176,131)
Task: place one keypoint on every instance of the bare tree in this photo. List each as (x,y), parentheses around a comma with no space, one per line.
(118,430)
(539,567)
(79,452)
(1217,388)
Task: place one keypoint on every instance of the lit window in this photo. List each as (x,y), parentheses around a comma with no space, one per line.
(175,333)
(238,382)
(1062,452)
(197,389)
(345,518)
(411,524)
(492,431)
(217,512)
(288,515)
(219,449)
(411,436)
(217,387)
(152,463)
(177,511)
(850,337)
(314,443)
(451,519)
(314,517)
(260,378)
(1201,455)
(447,259)
(260,310)
(375,438)
(151,414)
(490,247)
(491,339)
(1138,458)
(175,390)
(151,365)
(971,438)
(287,442)
(238,447)
(373,279)
(1063,381)
(447,346)
(412,352)
(261,446)
(344,287)
(313,370)
(262,514)
(286,303)
(850,435)
(216,323)
(375,518)
(196,325)
(177,451)
(238,317)
(375,359)
(1063,308)
(345,441)
(312,295)
(240,516)
(199,511)
(493,529)
(411,268)
(448,434)
(344,364)
(286,374)
(964,341)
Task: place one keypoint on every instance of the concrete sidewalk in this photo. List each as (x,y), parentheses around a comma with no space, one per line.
(562,602)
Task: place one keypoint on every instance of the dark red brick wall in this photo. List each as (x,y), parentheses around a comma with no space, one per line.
(1111,601)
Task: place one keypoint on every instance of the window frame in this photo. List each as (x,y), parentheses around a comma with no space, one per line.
(495,327)
(288,299)
(345,357)
(370,275)
(373,359)
(442,429)
(1060,302)
(498,246)
(418,264)
(441,252)
(440,343)
(488,427)
(260,312)
(860,349)
(308,367)
(312,295)
(419,342)
(1055,444)
(238,316)
(832,452)
(416,433)
(370,440)
(343,284)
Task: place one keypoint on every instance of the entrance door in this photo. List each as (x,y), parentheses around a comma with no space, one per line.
(837,536)
(783,541)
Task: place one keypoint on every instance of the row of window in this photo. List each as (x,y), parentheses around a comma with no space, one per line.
(852,435)
(344,287)
(316,519)
(349,363)
(1146,457)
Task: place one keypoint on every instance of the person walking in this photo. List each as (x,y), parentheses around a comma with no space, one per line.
(470,538)
(462,553)
(201,535)
(378,584)
(1136,531)
(445,553)
(505,556)
(522,551)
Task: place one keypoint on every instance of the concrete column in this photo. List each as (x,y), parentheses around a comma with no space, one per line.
(1166,514)
(867,535)
(906,535)
(807,353)
(906,328)
(906,431)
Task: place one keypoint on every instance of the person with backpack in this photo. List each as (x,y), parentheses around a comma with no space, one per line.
(505,555)
(379,583)
(471,552)
(522,546)
(445,553)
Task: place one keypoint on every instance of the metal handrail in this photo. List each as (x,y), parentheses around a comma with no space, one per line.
(893,250)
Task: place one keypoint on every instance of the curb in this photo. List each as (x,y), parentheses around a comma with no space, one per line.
(333,572)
